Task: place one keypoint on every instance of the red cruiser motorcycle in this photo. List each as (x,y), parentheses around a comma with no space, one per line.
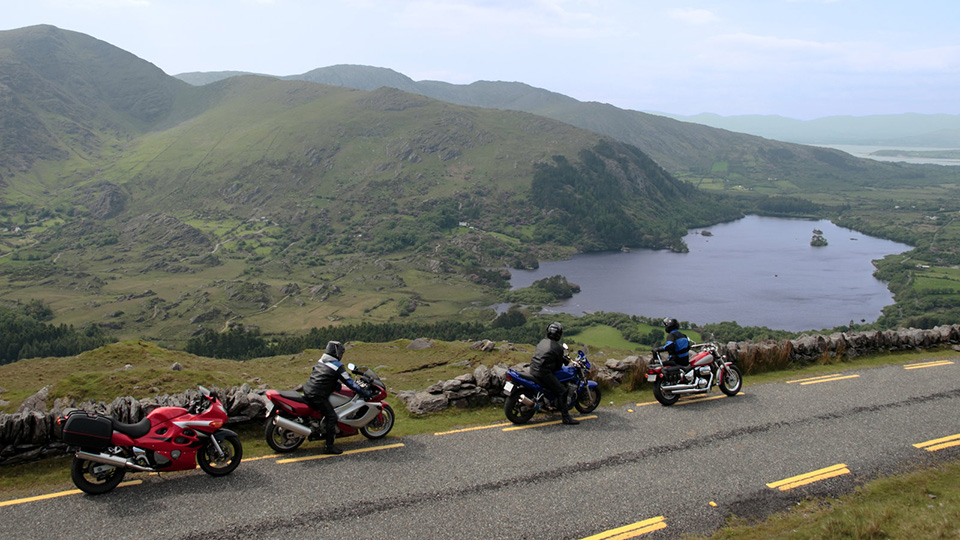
(290,420)
(168,439)
(707,368)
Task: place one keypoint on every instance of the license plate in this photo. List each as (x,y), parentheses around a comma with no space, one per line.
(651,377)
(507,387)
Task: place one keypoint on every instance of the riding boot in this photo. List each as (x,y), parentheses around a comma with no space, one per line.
(331,435)
(567,419)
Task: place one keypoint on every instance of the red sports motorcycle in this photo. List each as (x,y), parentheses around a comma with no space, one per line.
(290,420)
(168,439)
(708,368)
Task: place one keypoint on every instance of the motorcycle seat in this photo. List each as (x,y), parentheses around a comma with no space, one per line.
(292,395)
(135,431)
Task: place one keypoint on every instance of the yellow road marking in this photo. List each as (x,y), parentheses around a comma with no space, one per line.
(814,378)
(829,380)
(271,456)
(631,531)
(928,364)
(551,423)
(699,399)
(471,429)
(939,444)
(345,453)
(810,477)
(60,494)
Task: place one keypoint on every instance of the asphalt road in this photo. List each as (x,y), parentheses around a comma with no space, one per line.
(650,471)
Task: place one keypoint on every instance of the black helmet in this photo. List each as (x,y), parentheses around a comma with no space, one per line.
(671,324)
(335,349)
(555,331)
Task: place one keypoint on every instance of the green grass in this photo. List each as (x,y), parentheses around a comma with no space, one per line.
(921,504)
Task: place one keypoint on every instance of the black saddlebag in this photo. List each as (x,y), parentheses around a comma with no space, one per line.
(671,374)
(87,431)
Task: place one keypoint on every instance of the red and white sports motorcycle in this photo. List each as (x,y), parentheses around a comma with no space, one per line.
(708,368)
(168,439)
(290,420)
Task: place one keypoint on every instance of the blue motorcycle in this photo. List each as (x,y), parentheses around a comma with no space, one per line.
(525,397)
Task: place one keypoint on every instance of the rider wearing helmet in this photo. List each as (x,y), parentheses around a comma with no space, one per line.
(325,379)
(677,345)
(547,358)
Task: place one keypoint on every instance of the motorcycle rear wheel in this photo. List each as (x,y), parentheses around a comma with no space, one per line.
(380,426)
(665,398)
(517,412)
(588,400)
(215,465)
(281,440)
(732,381)
(95,478)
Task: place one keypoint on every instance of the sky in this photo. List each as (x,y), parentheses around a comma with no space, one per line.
(802,59)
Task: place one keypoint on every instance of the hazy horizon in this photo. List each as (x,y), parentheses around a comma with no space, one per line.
(800,59)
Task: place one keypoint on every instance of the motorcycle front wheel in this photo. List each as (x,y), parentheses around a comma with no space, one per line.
(732,381)
(517,412)
(588,400)
(95,478)
(665,398)
(221,465)
(380,426)
(281,440)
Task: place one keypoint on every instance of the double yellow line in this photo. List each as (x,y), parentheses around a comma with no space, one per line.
(810,477)
(61,494)
(935,363)
(345,453)
(823,378)
(631,531)
(939,444)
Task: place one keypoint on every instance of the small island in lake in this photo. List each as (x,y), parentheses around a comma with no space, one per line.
(818,240)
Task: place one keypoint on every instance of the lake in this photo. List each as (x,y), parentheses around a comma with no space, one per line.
(862,151)
(757,271)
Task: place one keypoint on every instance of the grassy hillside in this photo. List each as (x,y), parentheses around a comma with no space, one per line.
(289,204)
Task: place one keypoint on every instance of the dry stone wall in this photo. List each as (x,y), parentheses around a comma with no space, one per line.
(32,432)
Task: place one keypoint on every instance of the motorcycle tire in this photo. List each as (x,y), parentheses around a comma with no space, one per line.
(281,440)
(732,381)
(95,478)
(665,398)
(380,426)
(517,412)
(215,465)
(588,400)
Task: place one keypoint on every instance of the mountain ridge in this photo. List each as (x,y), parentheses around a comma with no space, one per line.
(287,204)
(908,129)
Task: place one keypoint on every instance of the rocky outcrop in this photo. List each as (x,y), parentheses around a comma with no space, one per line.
(483,386)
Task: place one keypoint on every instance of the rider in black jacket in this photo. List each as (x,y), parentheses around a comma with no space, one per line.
(325,379)
(547,358)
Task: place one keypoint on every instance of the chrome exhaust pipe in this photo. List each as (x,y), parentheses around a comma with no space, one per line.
(690,388)
(290,425)
(527,402)
(679,388)
(116,461)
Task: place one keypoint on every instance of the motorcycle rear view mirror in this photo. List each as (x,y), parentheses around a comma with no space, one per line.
(565,347)
(351,366)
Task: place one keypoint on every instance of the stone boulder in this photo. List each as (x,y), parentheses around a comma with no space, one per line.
(423,402)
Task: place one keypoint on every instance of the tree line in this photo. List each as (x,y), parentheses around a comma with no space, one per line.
(23,334)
